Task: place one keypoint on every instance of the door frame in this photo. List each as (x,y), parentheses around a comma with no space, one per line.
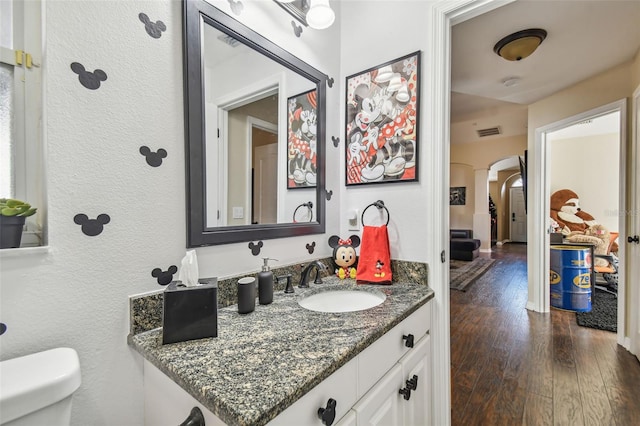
(254,122)
(633,342)
(440,17)
(538,222)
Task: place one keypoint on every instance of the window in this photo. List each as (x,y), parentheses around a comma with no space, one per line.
(21,141)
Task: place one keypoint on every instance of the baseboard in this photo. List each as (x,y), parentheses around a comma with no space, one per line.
(530,306)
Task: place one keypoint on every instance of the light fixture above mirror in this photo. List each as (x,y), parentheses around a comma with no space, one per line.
(316,14)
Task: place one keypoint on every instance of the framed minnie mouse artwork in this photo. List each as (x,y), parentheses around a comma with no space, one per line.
(301,140)
(382,117)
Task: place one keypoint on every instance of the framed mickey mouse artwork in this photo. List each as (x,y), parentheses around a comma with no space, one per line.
(382,122)
(301,140)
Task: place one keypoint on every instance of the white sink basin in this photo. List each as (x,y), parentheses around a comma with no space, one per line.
(342,300)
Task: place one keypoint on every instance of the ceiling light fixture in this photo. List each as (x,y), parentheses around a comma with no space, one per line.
(320,14)
(521,44)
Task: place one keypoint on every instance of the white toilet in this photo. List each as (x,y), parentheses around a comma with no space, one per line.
(36,389)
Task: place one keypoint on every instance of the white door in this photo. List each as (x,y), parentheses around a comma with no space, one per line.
(266,184)
(381,405)
(633,248)
(417,364)
(518,218)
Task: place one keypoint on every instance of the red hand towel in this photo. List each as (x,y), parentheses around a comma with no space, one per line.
(374,264)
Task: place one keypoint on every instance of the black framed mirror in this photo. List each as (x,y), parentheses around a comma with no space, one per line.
(230,74)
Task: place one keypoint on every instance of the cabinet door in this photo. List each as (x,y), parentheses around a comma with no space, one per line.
(378,358)
(381,405)
(166,403)
(348,420)
(417,410)
(340,386)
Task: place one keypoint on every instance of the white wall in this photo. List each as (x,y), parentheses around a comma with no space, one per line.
(590,167)
(375,35)
(76,295)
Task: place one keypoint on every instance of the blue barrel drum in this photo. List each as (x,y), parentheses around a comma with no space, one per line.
(570,277)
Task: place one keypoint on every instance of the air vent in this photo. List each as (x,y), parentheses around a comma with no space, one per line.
(491,131)
(228,40)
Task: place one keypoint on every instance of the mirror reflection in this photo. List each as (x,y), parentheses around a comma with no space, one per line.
(255,134)
(260,121)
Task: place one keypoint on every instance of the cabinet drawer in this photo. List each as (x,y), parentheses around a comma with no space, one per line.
(166,403)
(378,358)
(340,386)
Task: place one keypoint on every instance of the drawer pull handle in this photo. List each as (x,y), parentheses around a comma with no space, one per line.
(406,393)
(196,418)
(412,383)
(328,415)
(408,340)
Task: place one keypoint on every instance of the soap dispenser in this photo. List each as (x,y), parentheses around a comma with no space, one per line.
(265,283)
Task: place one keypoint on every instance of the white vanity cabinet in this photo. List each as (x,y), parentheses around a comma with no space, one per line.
(166,403)
(382,370)
(403,395)
(349,419)
(366,390)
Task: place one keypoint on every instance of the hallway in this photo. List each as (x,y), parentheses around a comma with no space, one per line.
(511,366)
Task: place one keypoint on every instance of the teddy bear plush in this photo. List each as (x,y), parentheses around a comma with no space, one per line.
(597,235)
(566,212)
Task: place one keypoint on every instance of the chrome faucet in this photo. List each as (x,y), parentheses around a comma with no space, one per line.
(304,276)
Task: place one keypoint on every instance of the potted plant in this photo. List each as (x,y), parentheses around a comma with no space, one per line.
(12,216)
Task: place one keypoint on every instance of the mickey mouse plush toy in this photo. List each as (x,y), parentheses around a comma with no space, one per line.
(344,255)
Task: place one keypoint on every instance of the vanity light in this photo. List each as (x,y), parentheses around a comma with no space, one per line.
(286,1)
(320,14)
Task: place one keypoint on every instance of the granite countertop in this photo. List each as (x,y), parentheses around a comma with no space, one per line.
(263,362)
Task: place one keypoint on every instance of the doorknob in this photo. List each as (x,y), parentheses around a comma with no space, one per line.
(634,239)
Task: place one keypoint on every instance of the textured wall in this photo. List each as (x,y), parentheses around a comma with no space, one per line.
(76,295)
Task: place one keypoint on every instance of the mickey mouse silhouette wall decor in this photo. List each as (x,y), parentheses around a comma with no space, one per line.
(311,247)
(90,80)
(154,159)
(92,227)
(255,248)
(297,29)
(236,6)
(164,277)
(154,29)
(328,193)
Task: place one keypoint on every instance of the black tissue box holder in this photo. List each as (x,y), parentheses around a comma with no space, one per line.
(190,313)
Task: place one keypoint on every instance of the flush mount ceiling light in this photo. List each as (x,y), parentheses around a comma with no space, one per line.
(519,45)
(320,14)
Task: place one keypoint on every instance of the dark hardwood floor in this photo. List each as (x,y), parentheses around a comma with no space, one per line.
(510,366)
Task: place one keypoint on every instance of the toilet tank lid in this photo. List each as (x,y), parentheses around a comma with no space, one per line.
(34,381)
